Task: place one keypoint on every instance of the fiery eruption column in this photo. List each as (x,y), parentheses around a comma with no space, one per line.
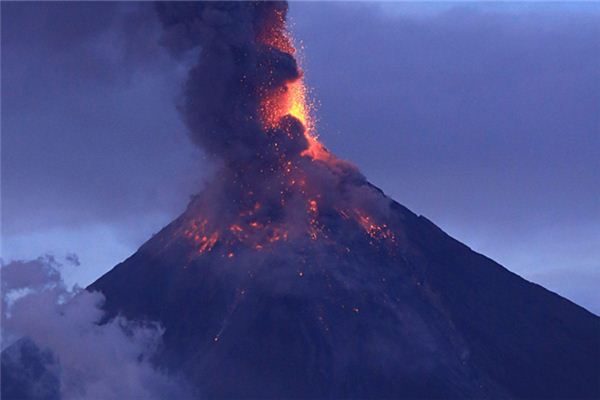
(292,99)
(245,98)
(246,103)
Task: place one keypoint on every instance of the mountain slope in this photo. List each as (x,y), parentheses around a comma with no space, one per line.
(355,313)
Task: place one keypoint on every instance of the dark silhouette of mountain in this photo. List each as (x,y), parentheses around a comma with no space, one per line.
(398,311)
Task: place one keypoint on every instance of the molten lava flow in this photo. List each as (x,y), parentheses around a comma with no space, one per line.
(207,243)
(373,229)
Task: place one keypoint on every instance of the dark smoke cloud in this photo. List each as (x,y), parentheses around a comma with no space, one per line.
(58,326)
(234,70)
(239,64)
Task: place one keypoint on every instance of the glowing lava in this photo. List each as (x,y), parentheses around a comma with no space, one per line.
(293,99)
(262,220)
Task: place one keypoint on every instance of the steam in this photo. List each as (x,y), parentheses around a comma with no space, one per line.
(46,323)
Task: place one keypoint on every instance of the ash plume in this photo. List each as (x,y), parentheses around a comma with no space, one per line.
(245,103)
(236,68)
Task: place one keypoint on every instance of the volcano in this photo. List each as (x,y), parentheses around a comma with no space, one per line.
(291,276)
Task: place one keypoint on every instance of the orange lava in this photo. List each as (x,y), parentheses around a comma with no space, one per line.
(293,99)
(312,206)
(374,230)
(250,226)
(207,243)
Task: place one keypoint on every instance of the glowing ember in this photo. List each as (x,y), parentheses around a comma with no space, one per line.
(235,228)
(312,206)
(285,186)
(373,229)
(293,99)
(298,106)
(207,243)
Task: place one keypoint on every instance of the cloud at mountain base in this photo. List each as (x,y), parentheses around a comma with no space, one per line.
(58,327)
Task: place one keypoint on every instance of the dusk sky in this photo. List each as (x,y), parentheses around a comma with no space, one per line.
(483,117)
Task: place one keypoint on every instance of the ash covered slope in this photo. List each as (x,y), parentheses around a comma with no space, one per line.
(355,316)
(290,276)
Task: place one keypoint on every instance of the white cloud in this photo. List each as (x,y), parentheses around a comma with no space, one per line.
(107,361)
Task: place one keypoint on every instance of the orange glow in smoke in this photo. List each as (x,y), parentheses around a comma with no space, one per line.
(298,107)
(293,99)
(253,225)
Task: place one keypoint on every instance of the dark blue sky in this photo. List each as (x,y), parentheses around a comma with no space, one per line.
(482,117)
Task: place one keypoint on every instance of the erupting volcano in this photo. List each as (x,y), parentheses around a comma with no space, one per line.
(290,276)
(276,179)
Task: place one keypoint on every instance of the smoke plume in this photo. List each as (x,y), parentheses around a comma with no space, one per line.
(236,69)
(245,104)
